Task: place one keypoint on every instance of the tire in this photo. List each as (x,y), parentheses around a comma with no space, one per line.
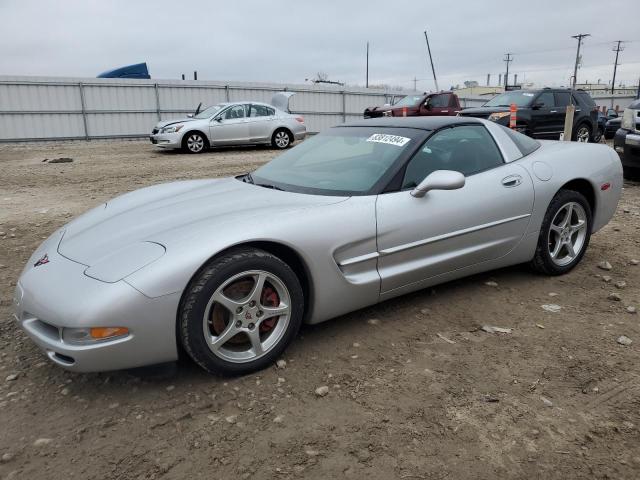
(225,324)
(553,234)
(281,139)
(194,142)
(597,137)
(582,133)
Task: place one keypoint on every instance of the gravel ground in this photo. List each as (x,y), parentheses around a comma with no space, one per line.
(415,388)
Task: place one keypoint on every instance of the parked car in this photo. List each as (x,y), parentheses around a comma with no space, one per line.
(627,140)
(425,105)
(611,127)
(541,113)
(224,124)
(227,269)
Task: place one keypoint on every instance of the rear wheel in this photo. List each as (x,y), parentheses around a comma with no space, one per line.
(194,142)
(281,139)
(582,133)
(240,312)
(565,233)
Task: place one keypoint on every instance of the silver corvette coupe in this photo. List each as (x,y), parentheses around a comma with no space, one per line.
(228,124)
(226,270)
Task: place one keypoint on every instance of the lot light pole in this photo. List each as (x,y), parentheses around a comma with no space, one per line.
(367,79)
(435,80)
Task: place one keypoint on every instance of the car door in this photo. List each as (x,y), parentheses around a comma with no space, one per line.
(544,117)
(230,127)
(260,122)
(419,238)
(436,105)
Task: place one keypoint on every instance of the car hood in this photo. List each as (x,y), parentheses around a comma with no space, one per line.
(170,212)
(165,123)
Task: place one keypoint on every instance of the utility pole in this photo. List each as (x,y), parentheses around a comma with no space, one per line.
(435,80)
(578,37)
(415,84)
(508,59)
(367,81)
(618,48)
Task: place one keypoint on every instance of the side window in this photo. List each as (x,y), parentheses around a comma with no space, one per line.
(468,149)
(439,101)
(546,99)
(237,111)
(261,111)
(562,99)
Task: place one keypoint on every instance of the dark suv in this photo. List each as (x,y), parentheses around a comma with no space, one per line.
(541,112)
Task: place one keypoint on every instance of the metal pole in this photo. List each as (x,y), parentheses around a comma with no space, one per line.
(84,111)
(508,59)
(155,85)
(579,37)
(367,80)
(344,106)
(615,67)
(435,80)
(226,93)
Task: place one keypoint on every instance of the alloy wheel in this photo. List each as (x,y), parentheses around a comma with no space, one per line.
(567,233)
(582,135)
(195,143)
(247,316)
(282,139)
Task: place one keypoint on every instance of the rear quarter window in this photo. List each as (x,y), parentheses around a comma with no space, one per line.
(525,144)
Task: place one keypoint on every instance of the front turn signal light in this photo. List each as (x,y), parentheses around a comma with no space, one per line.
(101,333)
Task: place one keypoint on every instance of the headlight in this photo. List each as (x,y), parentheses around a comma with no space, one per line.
(494,117)
(171,129)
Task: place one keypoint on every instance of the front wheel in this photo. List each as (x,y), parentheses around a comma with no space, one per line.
(194,142)
(240,312)
(565,234)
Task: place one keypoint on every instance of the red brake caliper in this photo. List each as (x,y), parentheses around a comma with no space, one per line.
(269,298)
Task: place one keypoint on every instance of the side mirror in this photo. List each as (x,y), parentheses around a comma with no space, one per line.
(427,105)
(439,180)
(537,106)
(189,115)
(218,119)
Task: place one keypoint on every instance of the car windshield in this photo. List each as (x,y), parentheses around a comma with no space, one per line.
(340,161)
(209,111)
(520,98)
(408,101)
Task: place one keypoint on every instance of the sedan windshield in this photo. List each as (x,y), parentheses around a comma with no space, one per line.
(409,101)
(341,161)
(520,98)
(209,111)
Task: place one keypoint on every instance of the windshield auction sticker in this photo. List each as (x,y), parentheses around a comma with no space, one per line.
(388,139)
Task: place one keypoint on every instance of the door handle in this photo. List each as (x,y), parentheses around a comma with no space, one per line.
(553,111)
(445,111)
(512,181)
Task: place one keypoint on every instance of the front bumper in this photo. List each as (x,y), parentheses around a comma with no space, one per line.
(627,144)
(166,140)
(58,295)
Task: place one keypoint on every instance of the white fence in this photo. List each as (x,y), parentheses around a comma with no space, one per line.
(44,108)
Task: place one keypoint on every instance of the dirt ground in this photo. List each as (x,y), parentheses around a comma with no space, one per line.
(556,398)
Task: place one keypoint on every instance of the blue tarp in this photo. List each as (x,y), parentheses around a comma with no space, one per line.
(139,70)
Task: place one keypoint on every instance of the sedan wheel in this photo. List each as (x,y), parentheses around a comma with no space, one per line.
(583,134)
(564,235)
(597,138)
(281,139)
(194,143)
(240,312)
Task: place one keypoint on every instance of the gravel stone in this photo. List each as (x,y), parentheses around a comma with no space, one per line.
(624,340)
(322,391)
(604,265)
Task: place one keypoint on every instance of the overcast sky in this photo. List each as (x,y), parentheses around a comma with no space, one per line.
(290,40)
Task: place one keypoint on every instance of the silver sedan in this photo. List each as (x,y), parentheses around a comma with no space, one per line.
(226,124)
(228,269)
